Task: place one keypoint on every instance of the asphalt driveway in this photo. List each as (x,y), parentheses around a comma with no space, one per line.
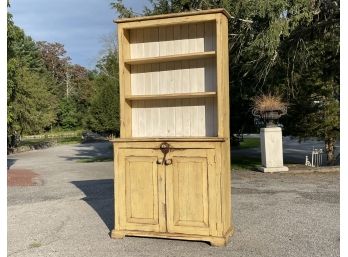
(70,212)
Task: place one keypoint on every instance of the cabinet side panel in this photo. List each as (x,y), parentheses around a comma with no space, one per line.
(226,186)
(222,75)
(124,83)
(117,192)
(226,156)
(225,75)
(119,187)
(218,194)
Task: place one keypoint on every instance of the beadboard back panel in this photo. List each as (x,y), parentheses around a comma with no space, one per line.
(182,117)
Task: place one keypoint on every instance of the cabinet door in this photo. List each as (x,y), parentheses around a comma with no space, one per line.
(139,182)
(187,191)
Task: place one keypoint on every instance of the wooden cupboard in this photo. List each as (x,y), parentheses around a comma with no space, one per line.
(172,160)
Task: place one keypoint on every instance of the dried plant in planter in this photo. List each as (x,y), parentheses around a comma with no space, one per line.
(269,108)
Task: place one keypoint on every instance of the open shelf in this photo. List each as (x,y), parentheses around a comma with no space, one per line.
(170,58)
(170,96)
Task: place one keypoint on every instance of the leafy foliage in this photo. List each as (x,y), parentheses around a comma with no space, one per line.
(73,84)
(30,103)
(56,62)
(34,106)
(45,91)
(68,114)
(104,108)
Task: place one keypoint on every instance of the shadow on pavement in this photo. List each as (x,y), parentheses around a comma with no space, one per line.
(100,196)
(92,152)
(10,162)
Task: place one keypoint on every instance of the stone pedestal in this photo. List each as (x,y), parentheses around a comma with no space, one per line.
(272,150)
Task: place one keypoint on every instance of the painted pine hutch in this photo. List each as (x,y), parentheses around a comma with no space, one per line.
(172,160)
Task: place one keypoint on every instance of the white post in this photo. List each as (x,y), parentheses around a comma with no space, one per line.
(312,158)
(272,150)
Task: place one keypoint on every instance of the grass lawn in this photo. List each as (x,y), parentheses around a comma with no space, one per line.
(69,140)
(63,140)
(249,143)
(244,162)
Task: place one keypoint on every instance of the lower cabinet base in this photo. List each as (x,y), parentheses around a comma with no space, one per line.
(214,241)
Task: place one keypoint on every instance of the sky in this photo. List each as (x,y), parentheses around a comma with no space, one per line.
(82,26)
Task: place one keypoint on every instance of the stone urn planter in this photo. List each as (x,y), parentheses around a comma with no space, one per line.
(269,116)
(269,109)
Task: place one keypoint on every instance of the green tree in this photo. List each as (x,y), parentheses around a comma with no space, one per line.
(30,104)
(57,62)
(73,85)
(103,115)
(81,87)
(68,115)
(34,105)
(310,68)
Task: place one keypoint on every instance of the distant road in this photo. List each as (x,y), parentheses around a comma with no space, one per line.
(294,151)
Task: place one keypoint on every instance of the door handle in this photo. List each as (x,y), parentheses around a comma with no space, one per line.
(165,148)
(159,161)
(168,162)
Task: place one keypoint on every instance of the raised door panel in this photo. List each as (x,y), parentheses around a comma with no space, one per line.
(140,182)
(188,191)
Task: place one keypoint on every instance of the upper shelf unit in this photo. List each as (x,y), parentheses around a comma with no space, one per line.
(173,76)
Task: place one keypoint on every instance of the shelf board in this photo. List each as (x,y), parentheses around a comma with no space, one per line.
(170,139)
(170,58)
(170,96)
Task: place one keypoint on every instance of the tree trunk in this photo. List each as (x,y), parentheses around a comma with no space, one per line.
(330,150)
